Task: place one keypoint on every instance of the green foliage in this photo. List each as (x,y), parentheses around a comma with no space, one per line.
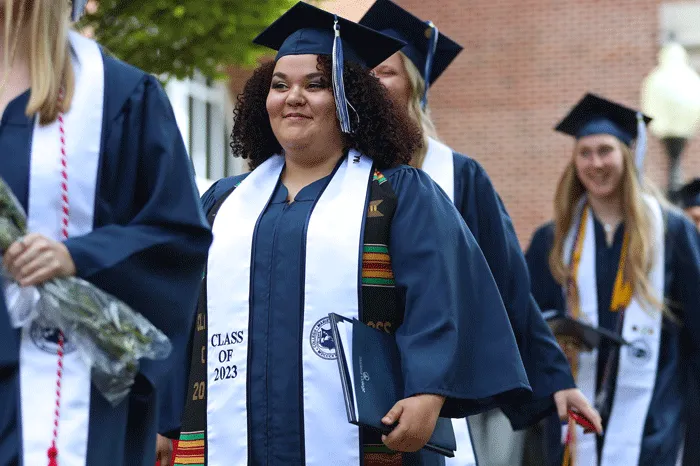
(176,37)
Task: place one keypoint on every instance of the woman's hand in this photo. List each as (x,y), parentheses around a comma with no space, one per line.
(416,417)
(164,450)
(35,259)
(573,399)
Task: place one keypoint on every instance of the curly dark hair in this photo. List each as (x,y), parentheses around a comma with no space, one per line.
(385,132)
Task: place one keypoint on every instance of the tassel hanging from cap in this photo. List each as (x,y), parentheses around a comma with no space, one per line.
(434,35)
(640,147)
(341,103)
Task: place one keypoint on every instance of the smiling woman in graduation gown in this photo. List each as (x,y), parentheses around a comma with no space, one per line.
(363,237)
(649,396)
(135,229)
(407,75)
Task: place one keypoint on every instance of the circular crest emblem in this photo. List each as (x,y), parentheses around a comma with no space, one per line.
(46,339)
(321,339)
(639,351)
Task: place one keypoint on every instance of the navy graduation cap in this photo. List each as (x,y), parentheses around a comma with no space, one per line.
(428,49)
(305,29)
(689,194)
(77,9)
(596,115)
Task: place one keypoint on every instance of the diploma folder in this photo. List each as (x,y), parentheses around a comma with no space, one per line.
(370,372)
(590,336)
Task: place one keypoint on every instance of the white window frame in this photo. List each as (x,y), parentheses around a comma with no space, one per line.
(204,114)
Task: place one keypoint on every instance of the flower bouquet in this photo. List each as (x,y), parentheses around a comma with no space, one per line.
(109,336)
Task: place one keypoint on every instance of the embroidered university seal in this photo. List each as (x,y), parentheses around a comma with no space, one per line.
(321,339)
(46,339)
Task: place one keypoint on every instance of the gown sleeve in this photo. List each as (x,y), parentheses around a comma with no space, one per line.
(150,240)
(545,363)
(685,264)
(545,289)
(455,339)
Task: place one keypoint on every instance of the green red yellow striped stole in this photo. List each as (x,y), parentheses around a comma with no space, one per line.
(376,266)
(378,177)
(190,449)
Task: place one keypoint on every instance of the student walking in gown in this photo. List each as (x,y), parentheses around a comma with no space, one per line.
(330,221)
(134,228)
(619,258)
(407,75)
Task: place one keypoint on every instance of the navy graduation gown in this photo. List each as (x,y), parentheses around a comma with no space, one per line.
(487,218)
(148,247)
(676,392)
(438,287)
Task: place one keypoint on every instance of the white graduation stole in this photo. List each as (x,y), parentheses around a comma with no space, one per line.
(333,242)
(638,362)
(38,358)
(439,164)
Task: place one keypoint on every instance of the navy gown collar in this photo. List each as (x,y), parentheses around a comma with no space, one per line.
(310,192)
(14,112)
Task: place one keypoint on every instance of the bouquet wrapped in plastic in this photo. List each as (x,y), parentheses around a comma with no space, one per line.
(109,336)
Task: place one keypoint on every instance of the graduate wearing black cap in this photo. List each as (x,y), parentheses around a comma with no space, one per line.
(616,258)
(329,221)
(408,76)
(689,199)
(95,157)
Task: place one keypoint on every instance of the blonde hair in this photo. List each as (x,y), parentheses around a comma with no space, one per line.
(50,65)
(636,217)
(415,110)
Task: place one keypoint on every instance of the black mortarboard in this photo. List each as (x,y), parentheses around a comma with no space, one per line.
(595,115)
(305,29)
(689,194)
(589,336)
(77,9)
(428,49)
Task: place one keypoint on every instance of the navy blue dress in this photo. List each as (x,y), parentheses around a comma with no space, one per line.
(148,248)
(676,393)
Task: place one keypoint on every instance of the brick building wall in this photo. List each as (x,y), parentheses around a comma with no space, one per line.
(524,64)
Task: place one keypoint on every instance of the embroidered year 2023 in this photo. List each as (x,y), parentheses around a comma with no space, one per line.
(225,343)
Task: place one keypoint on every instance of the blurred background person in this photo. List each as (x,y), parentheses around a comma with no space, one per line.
(96,160)
(620,258)
(407,75)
